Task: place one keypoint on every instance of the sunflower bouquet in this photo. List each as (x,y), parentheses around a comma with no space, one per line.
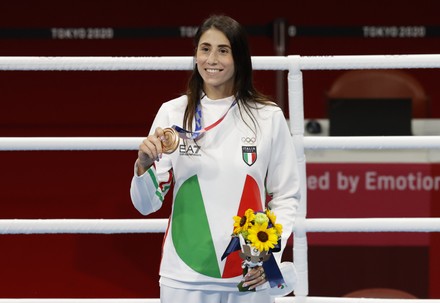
(257,235)
(258,229)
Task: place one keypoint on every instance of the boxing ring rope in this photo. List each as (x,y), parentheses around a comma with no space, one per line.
(132,143)
(186,63)
(295,65)
(278,300)
(124,226)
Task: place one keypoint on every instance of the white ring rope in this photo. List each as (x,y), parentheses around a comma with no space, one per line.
(374,225)
(79,300)
(186,63)
(277,300)
(95,63)
(121,226)
(384,142)
(69,143)
(357,300)
(132,143)
(82,226)
(369,62)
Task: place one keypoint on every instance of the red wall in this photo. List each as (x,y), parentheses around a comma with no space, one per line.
(96,184)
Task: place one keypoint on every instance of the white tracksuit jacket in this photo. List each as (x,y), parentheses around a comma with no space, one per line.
(227,171)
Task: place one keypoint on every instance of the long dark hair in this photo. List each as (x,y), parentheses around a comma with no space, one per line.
(244,91)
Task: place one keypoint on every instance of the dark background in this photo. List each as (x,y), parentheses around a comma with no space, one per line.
(123,103)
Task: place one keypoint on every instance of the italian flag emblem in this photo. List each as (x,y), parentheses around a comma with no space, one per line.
(249,154)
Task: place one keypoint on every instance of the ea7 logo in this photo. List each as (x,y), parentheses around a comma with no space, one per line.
(249,154)
(189,150)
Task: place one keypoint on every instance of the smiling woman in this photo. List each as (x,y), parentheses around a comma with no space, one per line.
(216,174)
(215,64)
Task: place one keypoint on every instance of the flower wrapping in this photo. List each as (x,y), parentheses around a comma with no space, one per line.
(257,235)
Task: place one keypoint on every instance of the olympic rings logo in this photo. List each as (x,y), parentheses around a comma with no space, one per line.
(248,140)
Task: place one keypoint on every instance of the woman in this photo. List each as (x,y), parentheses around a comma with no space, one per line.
(243,153)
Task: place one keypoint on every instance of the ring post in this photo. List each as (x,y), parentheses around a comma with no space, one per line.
(296,118)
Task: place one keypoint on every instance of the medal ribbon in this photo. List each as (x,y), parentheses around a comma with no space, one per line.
(186,134)
(271,269)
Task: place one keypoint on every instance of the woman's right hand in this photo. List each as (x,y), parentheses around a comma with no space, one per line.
(150,150)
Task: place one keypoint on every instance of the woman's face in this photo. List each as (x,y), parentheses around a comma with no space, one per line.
(215,64)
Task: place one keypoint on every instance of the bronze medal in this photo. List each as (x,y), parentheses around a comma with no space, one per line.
(171,141)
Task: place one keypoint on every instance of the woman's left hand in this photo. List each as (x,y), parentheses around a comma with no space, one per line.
(255,277)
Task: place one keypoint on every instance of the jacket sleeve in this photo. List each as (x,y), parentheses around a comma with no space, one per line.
(148,190)
(283,182)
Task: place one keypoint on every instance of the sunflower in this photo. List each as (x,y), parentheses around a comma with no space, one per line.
(263,238)
(271,216)
(272,220)
(243,223)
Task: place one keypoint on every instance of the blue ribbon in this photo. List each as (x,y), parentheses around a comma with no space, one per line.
(199,131)
(233,245)
(273,272)
(271,269)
